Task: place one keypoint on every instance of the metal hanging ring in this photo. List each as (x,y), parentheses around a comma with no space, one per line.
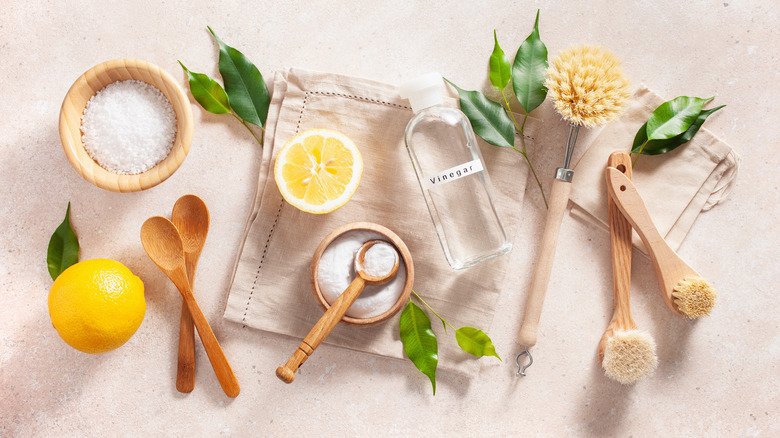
(521,369)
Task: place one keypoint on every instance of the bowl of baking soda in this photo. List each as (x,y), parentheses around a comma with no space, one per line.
(126,125)
(333,269)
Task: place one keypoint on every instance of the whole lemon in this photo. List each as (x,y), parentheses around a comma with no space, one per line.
(96,305)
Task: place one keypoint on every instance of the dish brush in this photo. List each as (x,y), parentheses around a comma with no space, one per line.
(683,289)
(589,88)
(626,353)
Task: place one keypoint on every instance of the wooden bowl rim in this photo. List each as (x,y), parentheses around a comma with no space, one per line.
(403,250)
(91,170)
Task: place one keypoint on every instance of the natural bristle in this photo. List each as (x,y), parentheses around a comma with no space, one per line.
(629,356)
(694,297)
(587,85)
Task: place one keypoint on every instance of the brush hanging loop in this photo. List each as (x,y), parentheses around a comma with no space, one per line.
(520,368)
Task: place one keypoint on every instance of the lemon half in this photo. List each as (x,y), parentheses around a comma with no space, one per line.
(318,170)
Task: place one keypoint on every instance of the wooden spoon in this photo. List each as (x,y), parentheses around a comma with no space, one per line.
(164,246)
(333,315)
(191,218)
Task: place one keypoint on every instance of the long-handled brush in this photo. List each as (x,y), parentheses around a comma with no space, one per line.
(589,88)
(626,353)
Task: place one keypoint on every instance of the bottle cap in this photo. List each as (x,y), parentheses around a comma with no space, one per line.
(422,91)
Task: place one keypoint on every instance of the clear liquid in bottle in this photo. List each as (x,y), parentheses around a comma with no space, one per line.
(452,176)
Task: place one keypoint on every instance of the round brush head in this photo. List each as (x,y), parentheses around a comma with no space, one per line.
(629,356)
(587,85)
(694,297)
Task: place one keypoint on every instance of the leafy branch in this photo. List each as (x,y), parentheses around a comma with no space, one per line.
(422,347)
(495,122)
(671,125)
(245,96)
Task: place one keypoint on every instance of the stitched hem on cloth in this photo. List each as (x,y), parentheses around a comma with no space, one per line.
(306,96)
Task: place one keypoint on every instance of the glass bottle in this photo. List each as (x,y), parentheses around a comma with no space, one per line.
(452,176)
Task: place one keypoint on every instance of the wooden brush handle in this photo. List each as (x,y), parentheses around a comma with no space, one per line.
(559,197)
(620,247)
(620,250)
(216,356)
(630,203)
(669,267)
(321,330)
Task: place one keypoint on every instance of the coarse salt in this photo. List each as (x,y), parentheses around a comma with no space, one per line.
(336,270)
(128,127)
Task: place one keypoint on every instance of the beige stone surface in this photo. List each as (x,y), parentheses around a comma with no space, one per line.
(716,377)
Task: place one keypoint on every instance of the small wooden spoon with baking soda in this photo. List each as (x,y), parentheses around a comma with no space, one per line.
(163,244)
(333,315)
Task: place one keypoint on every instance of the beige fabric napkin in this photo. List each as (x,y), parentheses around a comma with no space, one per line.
(675,186)
(270,289)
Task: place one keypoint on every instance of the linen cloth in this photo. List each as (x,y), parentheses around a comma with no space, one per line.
(271,289)
(675,186)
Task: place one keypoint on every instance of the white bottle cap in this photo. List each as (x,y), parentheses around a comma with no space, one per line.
(422,91)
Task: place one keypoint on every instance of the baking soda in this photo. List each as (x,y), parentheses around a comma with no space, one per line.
(336,270)
(128,127)
(379,259)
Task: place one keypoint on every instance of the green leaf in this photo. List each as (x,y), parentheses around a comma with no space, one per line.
(245,87)
(419,341)
(488,118)
(657,147)
(63,248)
(529,70)
(500,69)
(674,117)
(207,92)
(476,342)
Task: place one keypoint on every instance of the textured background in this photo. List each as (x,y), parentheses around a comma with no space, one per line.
(715,377)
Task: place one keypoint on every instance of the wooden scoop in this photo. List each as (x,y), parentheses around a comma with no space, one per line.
(163,244)
(333,315)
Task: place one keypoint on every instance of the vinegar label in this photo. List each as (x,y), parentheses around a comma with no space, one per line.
(453,173)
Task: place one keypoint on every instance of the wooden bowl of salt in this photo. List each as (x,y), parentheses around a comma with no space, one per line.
(125,164)
(332,267)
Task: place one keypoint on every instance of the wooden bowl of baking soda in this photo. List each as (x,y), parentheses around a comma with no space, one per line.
(126,125)
(333,269)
